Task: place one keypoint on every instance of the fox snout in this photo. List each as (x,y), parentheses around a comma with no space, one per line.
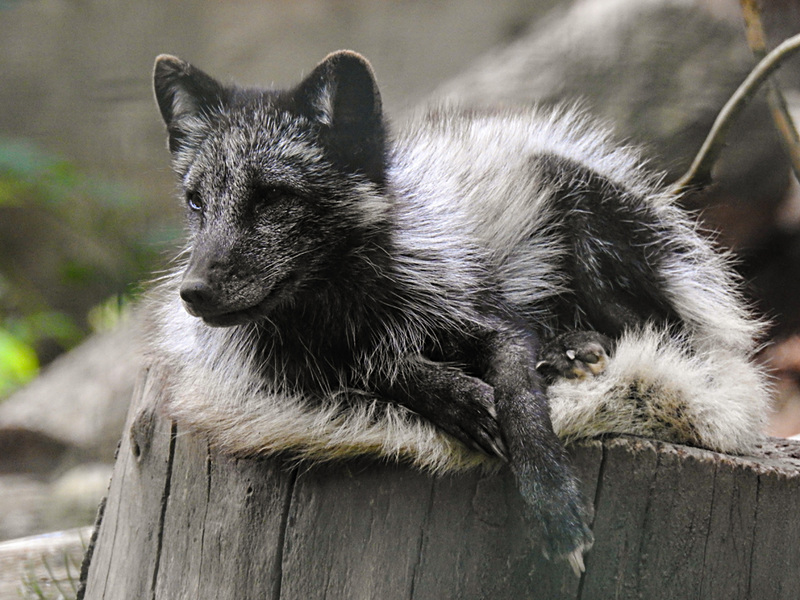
(222,296)
(198,297)
(209,291)
(215,307)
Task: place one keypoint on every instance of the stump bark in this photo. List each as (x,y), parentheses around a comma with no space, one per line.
(182,521)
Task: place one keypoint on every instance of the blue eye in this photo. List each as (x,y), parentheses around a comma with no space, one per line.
(194,202)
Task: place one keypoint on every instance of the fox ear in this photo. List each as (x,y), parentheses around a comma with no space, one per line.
(342,96)
(183,93)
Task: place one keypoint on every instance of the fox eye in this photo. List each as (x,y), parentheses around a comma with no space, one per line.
(193,201)
(267,194)
(270,194)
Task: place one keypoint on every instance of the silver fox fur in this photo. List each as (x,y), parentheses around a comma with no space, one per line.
(469,205)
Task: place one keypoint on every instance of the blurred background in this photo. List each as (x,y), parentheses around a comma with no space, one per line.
(86,192)
(87,206)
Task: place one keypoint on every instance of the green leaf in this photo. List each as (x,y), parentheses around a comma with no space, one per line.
(18,363)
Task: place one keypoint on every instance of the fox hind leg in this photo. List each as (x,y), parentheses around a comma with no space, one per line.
(575,355)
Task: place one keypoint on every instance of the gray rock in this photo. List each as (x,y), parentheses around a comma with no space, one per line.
(75,410)
(658,72)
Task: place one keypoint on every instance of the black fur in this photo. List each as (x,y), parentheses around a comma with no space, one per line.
(616,248)
(296,240)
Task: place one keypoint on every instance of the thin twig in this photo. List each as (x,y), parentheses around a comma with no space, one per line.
(784,123)
(699,174)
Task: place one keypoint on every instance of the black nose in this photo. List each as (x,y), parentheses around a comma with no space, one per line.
(197,295)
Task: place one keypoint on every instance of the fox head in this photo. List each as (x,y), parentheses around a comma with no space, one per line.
(283,188)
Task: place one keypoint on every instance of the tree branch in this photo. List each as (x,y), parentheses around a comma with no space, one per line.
(784,123)
(699,174)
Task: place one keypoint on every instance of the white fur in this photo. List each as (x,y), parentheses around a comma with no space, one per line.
(656,386)
(465,193)
(214,390)
(475,176)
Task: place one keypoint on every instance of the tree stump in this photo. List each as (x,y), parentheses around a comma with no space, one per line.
(182,521)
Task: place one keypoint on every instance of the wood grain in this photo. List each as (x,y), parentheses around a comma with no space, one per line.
(182,521)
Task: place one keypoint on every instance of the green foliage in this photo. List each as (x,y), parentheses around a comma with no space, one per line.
(107,315)
(18,362)
(68,242)
(60,582)
(24,168)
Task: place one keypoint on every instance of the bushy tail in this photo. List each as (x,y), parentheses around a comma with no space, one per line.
(657,386)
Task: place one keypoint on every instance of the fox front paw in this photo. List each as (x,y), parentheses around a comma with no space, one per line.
(575,355)
(563,521)
(471,416)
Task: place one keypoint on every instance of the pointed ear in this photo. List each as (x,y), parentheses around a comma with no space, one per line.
(341,95)
(183,94)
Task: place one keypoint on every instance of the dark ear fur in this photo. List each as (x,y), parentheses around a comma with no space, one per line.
(342,96)
(182,92)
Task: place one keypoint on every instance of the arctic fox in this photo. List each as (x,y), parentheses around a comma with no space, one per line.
(460,292)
